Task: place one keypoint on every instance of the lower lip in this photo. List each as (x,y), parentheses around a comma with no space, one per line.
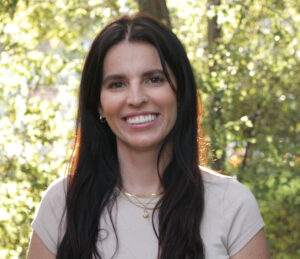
(143,125)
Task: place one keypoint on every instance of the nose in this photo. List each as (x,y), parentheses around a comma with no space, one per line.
(136,95)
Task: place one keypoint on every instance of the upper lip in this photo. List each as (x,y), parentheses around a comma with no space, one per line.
(138,113)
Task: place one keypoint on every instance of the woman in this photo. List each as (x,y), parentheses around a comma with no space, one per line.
(136,190)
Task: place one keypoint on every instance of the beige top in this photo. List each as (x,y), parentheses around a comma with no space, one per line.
(231,219)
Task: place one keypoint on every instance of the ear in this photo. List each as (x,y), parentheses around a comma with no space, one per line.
(100,111)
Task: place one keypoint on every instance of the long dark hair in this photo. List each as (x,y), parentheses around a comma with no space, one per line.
(95,168)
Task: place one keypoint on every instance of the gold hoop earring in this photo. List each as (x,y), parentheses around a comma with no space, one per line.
(102,119)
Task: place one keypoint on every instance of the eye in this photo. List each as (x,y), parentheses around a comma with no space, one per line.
(115,85)
(156,79)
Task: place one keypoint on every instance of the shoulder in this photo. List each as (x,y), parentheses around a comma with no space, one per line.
(48,222)
(209,176)
(54,198)
(57,189)
(231,194)
(55,194)
(235,206)
(225,186)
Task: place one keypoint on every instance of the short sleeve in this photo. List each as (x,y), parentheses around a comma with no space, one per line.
(242,216)
(49,218)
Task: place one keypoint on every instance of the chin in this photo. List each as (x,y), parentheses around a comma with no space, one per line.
(145,145)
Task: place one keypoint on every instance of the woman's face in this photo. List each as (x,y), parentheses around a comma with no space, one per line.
(136,98)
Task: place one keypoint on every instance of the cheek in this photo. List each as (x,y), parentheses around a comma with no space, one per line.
(170,104)
(106,105)
(174,110)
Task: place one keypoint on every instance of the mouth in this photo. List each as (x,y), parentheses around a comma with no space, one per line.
(139,119)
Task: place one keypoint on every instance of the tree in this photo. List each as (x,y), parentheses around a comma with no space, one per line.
(246,61)
(156,8)
(41,61)
(213,40)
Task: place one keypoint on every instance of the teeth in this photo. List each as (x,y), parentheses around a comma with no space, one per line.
(141,119)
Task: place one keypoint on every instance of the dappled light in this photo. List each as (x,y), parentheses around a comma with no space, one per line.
(248,79)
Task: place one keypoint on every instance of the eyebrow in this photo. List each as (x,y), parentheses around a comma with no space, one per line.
(112,77)
(120,76)
(153,71)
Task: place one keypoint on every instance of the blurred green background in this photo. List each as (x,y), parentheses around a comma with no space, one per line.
(246,60)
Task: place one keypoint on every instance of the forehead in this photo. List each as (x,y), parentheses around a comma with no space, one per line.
(126,57)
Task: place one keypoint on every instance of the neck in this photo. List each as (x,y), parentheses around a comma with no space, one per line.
(139,171)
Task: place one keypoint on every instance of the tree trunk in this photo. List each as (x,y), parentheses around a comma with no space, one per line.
(213,36)
(157,9)
(213,30)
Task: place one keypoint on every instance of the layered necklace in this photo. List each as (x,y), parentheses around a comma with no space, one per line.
(135,199)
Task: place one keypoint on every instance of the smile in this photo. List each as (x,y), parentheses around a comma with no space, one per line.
(141,119)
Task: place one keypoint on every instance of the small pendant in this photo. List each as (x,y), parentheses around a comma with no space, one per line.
(145,214)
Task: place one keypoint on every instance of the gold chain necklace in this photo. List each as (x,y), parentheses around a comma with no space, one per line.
(156,194)
(140,204)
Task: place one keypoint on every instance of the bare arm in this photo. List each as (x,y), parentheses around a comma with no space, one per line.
(37,249)
(257,248)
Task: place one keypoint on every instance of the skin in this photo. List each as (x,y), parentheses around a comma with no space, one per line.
(256,248)
(37,249)
(133,83)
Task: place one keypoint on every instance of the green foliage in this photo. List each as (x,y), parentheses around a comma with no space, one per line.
(249,82)
(42,48)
